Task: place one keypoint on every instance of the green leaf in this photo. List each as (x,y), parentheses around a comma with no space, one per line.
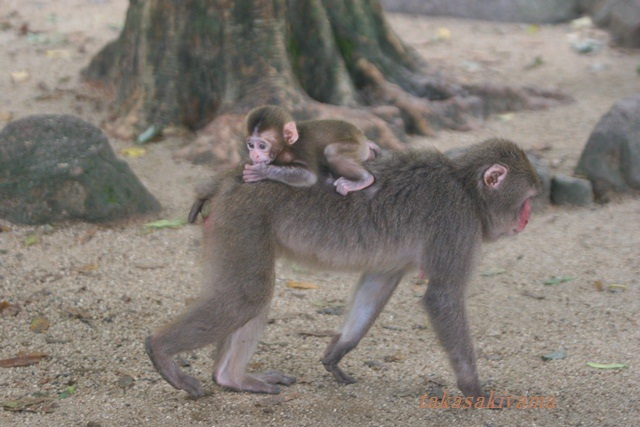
(166,223)
(493,271)
(148,135)
(554,280)
(556,355)
(67,393)
(31,240)
(606,366)
(10,404)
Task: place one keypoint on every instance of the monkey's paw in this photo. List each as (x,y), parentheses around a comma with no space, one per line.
(257,383)
(168,370)
(255,173)
(276,377)
(345,186)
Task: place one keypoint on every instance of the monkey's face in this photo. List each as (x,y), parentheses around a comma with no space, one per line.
(509,192)
(263,147)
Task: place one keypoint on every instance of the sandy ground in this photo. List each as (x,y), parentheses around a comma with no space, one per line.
(103,288)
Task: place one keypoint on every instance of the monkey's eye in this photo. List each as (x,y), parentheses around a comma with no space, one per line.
(250,145)
(263,146)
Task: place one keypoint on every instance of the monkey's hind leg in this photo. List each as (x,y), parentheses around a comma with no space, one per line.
(345,186)
(234,355)
(372,294)
(374,150)
(205,322)
(345,160)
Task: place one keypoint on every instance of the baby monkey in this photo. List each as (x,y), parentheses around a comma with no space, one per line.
(294,154)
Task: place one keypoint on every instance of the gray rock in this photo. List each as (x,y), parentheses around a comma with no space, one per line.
(533,11)
(568,190)
(620,17)
(541,201)
(611,158)
(59,167)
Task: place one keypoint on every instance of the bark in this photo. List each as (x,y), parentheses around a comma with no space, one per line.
(203,64)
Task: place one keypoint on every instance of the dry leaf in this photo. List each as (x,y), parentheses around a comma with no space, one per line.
(334,310)
(149,265)
(125,381)
(301,285)
(78,314)
(23,360)
(31,404)
(88,236)
(87,268)
(7,309)
(58,53)
(6,116)
(397,357)
(532,295)
(39,324)
(277,400)
(319,334)
(443,34)
(20,76)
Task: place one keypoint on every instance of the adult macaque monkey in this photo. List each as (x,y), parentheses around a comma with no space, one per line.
(425,211)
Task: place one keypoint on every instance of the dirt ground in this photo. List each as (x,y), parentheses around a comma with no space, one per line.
(101,289)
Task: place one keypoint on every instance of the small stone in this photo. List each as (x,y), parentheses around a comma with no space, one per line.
(567,190)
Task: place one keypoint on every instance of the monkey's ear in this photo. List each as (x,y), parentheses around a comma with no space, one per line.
(290,132)
(494,176)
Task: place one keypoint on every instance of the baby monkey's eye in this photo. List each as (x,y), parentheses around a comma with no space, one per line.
(250,145)
(263,146)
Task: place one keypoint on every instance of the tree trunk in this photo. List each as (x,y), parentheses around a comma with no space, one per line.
(204,63)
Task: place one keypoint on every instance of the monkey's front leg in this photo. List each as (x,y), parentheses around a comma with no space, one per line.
(445,304)
(372,294)
(296,176)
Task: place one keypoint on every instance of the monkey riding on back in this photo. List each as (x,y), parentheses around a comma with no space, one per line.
(297,153)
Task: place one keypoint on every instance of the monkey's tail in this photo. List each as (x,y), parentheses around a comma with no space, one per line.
(196,208)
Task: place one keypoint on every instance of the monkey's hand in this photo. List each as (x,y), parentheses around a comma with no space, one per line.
(255,173)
